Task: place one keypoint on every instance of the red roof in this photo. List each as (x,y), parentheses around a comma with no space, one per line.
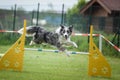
(108,5)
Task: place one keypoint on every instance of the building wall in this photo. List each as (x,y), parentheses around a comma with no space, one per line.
(103,24)
(101,20)
(100,12)
(109,25)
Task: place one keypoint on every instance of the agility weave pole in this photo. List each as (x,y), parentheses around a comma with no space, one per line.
(55,51)
(13,58)
(98,65)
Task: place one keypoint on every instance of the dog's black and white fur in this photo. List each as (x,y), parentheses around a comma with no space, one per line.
(65,34)
(57,38)
(41,35)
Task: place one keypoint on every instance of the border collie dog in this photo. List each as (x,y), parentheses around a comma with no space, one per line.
(57,38)
(65,34)
(41,35)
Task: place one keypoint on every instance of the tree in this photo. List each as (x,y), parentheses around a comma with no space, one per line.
(76,9)
(74,16)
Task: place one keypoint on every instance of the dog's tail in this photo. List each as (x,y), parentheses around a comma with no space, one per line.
(30,30)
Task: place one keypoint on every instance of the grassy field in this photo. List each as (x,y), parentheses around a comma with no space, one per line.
(56,66)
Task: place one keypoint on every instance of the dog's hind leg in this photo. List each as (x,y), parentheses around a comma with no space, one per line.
(61,48)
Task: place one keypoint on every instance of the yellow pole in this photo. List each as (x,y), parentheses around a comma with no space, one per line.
(13,58)
(98,65)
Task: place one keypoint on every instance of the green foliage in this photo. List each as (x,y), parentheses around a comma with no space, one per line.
(5,21)
(76,9)
(8,39)
(75,18)
(82,43)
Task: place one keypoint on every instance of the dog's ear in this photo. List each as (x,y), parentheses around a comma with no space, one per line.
(71,27)
(61,26)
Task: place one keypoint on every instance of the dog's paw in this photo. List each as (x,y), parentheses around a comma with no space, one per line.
(75,45)
(68,54)
(30,44)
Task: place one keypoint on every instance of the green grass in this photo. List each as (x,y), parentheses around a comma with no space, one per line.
(56,66)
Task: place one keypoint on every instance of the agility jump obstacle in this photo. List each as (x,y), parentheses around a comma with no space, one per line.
(8,31)
(81,34)
(55,51)
(98,65)
(13,58)
(114,46)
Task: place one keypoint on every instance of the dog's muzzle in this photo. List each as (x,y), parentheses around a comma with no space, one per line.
(66,36)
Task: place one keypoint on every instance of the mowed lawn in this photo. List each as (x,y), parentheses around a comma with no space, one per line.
(57,66)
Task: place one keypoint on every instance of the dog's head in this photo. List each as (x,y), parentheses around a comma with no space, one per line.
(66,31)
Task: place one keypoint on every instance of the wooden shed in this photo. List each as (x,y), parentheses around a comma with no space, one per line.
(103,14)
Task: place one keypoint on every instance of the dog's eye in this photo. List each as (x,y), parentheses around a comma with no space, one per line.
(64,31)
(68,31)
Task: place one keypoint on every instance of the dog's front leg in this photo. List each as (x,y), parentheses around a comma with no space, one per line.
(73,43)
(31,43)
(61,48)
